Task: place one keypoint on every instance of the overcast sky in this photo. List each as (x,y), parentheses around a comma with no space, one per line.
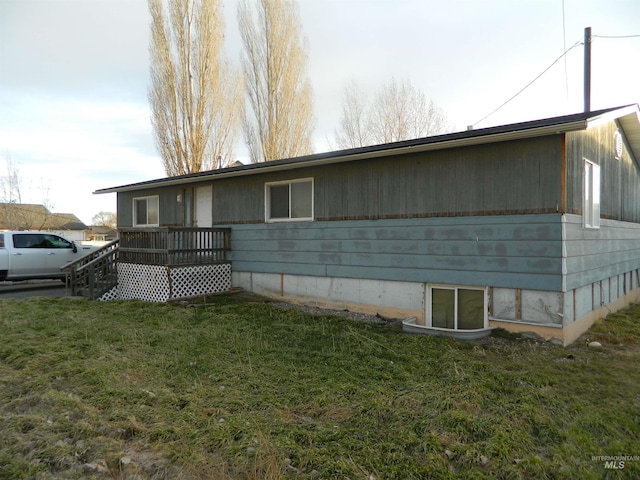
(74,75)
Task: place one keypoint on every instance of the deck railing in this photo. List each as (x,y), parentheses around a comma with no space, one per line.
(174,245)
(95,274)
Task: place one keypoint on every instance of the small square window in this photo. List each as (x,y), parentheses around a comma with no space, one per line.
(457,308)
(145,212)
(289,201)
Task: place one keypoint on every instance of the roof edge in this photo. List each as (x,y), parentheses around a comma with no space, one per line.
(502,133)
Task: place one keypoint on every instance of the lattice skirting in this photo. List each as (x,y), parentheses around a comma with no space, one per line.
(110,295)
(199,280)
(153,283)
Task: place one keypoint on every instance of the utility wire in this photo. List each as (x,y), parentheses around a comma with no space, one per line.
(615,36)
(531,82)
(564,45)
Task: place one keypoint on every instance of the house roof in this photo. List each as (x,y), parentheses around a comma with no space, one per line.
(64,221)
(628,117)
(102,229)
(34,216)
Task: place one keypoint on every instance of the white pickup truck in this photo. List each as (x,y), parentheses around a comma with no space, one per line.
(27,255)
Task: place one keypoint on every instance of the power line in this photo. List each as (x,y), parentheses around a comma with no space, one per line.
(531,82)
(616,36)
(564,45)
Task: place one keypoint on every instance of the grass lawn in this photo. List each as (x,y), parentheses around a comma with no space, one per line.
(237,389)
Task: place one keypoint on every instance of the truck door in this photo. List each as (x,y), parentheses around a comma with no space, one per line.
(28,257)
(59,252)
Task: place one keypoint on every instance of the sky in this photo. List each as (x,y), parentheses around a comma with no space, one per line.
(74,74)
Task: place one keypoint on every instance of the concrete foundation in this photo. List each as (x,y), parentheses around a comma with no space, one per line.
(387,298)
(549,315)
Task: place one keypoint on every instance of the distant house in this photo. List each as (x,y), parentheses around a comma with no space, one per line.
(533,226)
(101,233)
(21,216)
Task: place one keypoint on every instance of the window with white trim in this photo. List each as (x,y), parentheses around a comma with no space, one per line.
(456,308)
(591,200)
(289,201)
(146,211)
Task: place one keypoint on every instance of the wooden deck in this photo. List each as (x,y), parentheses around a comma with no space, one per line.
(174,245)
(97,273)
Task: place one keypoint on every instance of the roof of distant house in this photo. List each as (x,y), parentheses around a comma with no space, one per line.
(35,216)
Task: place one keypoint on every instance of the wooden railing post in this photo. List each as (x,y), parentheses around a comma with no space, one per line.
(72,279)
(91,281)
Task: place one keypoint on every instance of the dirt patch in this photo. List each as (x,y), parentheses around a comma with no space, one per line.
(356,316)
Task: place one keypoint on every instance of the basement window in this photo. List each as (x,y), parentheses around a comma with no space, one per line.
(456,308)
(145,211)
(591,200)
(289,201)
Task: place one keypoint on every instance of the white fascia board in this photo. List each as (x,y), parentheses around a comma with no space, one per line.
(613,115)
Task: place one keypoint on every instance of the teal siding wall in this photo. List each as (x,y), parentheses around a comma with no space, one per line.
(593,255)
(516,251)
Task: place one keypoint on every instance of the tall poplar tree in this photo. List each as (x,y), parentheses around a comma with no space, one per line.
(279,122)
(195,96)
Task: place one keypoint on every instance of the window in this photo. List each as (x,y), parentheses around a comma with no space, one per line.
(29,240)
(54,241)
(456,308)
(289,201)
(591,204)
(145,212)
(40,240)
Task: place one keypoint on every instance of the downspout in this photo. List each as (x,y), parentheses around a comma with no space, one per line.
(563,209)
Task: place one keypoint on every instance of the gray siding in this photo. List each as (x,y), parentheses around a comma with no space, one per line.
(171,211)
(514,177)
(503,251)
(593,255)
(620,179)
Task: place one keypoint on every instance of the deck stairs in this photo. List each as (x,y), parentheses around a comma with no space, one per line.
(95,274)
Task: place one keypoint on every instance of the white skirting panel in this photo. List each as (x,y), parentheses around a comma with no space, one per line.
(153,283)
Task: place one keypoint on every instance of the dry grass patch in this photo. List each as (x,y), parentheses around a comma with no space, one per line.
(235,389)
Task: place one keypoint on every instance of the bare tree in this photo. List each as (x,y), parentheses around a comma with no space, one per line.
(11,183)
(399,111)
(16,215)
(195,96)
(353,131)
(105,219)
(278,88)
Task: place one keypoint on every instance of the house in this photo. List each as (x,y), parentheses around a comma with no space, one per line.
(24,216)
(101,233)
(533,226)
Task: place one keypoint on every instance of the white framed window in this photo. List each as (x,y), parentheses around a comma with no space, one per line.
(146,211)
(288,201)
(456,308)
(591,200)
